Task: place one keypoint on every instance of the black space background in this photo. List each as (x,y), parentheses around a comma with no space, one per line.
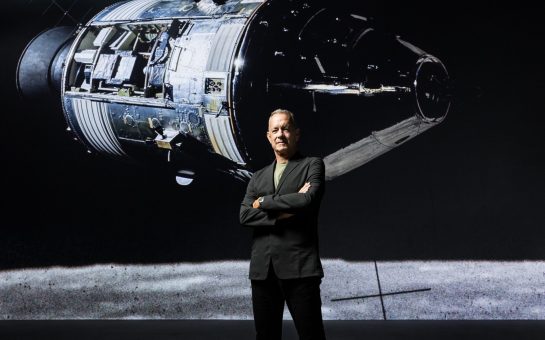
(470,188)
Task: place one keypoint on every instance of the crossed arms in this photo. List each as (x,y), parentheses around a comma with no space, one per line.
(277,207)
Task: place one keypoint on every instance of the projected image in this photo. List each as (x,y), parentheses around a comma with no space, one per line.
(137,126)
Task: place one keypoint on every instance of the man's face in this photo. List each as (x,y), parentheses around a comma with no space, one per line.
(282,136)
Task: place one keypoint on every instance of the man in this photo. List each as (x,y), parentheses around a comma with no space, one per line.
(281,205)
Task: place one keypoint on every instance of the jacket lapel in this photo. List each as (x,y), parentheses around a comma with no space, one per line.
(292,164)
(269,176)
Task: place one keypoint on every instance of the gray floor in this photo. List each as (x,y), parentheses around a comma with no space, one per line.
(476,290)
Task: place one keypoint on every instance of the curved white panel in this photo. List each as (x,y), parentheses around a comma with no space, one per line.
(129,11)
(221,136)
(94,121)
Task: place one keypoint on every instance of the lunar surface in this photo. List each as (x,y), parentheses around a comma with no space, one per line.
(221,290)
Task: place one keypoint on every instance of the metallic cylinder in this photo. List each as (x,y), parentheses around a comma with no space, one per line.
(193,83)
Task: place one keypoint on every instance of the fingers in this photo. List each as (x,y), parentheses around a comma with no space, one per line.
(305,188)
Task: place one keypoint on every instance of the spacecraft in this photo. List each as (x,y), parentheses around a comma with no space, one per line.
(192,83)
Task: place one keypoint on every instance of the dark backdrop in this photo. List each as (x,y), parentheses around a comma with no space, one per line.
(470,188)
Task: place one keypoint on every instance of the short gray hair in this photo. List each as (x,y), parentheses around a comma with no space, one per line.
(286,112)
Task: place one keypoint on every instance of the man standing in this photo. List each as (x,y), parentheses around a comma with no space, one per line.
(281,204)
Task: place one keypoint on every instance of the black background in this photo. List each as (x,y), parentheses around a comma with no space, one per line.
(470,188)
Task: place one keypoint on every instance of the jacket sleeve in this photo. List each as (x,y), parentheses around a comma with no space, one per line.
(295,201)
(251,217)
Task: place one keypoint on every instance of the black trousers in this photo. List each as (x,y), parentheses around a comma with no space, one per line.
(303,299)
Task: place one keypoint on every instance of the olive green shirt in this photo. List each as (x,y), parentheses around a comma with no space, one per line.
(278,171)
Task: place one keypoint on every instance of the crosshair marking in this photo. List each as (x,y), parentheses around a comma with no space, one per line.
(65,11)
(380,294)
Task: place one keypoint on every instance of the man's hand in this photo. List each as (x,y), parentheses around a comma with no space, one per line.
(256,203)
(304,188)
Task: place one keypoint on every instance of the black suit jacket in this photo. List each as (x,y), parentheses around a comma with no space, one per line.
(290,244)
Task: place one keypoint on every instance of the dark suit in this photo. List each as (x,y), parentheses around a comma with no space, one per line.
(285,263)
